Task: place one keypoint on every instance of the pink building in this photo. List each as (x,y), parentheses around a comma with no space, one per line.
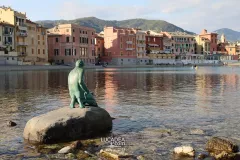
(120,45)
(212,37)
(68,43)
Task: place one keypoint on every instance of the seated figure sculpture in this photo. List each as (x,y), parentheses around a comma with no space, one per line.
(78,90)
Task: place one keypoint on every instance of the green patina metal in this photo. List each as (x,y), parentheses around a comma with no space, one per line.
(77,88)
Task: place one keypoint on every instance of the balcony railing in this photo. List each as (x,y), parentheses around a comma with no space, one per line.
(141,45)
(22,44)
(142,51)
(129,42)
(129,49)
(7,43)
(7,33)
(22,34)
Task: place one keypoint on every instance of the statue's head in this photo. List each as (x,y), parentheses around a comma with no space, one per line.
(79,63)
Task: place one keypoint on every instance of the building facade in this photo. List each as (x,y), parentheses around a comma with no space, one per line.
(25,35)
(99,47)
(202,45)
(120,45)
(37,49)
(7,44)
(212,38)
(68,43)
(142,57)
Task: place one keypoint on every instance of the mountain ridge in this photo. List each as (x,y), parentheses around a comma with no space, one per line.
(98,24)
(230,34)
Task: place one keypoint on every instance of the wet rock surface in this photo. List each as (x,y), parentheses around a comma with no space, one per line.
(68,124)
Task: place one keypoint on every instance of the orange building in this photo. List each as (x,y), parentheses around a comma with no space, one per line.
(212,37)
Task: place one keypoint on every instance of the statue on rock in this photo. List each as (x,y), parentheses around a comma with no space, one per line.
(77,88)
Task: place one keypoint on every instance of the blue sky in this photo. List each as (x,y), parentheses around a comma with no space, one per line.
(192,15)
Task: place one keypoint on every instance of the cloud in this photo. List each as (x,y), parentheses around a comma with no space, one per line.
(193,15)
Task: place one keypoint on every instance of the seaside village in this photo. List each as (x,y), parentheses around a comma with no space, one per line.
(24,42)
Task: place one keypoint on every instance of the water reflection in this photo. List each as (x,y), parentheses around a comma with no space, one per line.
(166,98)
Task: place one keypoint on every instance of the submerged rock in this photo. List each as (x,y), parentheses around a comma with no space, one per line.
(114,154)
(185,151)
(68,124)
(196,132)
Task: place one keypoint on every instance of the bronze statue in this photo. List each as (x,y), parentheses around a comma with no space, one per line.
(78,90)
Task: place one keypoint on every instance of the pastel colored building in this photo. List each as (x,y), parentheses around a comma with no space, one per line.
(68,43)
(202,45)
(7,54)
(120,45)
(99,47)
(212,37)
(24,36)
(142,57)
(36,39)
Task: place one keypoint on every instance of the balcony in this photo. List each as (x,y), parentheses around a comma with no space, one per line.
(142,51)
(6,33)
(22,44)
(129,49)
(7,43)
(141,45)
(129,42)
(12,54)
(22,34)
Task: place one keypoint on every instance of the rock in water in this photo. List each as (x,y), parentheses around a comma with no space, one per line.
(218,145)
(67,124)
(185,151)
(11,124)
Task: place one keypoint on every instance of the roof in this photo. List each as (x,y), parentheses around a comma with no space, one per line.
(179,34)
(6,24)
(54,34)
(29,21)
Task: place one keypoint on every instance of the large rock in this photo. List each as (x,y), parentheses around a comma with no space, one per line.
(67,124)
(220,144)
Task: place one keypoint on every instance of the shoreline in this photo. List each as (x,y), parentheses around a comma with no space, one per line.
(62,67)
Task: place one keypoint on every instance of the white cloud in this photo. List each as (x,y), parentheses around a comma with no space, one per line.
(193,15)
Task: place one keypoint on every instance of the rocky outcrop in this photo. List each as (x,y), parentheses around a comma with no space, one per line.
(67,124)
(222,148)
(217,144)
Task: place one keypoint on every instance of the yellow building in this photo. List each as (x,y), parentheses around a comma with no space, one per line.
(202,45)
(37,51)
(30,38)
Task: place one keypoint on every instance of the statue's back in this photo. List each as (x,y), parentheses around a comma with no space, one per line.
(74,79)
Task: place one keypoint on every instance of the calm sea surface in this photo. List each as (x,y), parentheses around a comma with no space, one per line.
(156,109)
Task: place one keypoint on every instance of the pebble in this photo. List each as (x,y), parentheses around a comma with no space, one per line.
(11,124)
(185,150)
(65,150)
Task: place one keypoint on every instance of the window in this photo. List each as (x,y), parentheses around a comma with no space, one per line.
(39,37)
(92,33)
(43,51)
(38,51)
(80,31)
(87,40)
(83,32)
(0,38)
(43,37)
(86,32)
(73,39)
(32,41)
(32,51)
(67,39)
(67,52)
(99,49)
(73,30)
(56,39)
(75,51)
(121,53)
(56,52)
(12,58)
(121,46)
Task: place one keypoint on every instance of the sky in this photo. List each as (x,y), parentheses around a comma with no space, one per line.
(191,15)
